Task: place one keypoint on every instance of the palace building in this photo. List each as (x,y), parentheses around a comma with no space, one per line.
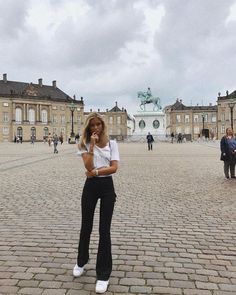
(28,109)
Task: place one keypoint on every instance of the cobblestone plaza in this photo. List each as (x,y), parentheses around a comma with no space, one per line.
(173,230)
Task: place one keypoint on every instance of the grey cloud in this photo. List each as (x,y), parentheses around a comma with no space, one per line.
(12,18)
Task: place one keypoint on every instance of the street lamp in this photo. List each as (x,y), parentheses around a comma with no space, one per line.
(72,109)
(231,106)
(203,121)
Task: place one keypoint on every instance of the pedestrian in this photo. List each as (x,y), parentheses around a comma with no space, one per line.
(150,141)
(32,138)
(228,153)
(100,157)
(55,140)
(49,139)
(172,137)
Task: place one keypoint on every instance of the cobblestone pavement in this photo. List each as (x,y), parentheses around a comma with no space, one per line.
(173,232)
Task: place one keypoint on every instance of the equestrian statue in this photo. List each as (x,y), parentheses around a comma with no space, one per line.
(146,97)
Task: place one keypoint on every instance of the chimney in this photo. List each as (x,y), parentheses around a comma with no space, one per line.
(40,82)
(180,100)
(98,110)
(106,110)
(91,110)
(5,78)
(227,93)
(81,98)
(210,104)
(54,84)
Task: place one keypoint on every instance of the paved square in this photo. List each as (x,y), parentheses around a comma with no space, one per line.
(173,232)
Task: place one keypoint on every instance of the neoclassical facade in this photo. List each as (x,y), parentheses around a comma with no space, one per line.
(28,109)
(191,121)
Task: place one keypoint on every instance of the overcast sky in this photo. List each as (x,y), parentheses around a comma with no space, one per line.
(108,50)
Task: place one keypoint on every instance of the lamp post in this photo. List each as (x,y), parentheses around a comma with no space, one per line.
(203,121)
(72,134)
(231,106)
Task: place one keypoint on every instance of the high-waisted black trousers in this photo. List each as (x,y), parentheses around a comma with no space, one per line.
(95,188)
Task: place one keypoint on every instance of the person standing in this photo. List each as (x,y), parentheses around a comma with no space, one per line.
(100,157)
(150,140)
(55,143)
(228,153)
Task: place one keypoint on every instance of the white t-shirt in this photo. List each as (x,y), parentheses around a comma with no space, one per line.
(103,156)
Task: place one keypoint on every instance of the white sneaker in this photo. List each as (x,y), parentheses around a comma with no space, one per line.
(77,271)
(101,286)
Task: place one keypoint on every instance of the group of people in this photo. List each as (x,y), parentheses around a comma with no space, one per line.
(228,153)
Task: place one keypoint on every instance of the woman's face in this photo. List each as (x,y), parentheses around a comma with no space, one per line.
(229,131)
(95,126)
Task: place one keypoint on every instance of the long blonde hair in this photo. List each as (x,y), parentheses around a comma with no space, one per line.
(86,134)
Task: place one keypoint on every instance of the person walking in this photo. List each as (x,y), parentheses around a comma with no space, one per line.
(228,153)
(150,140)
(100,157)
(55,140)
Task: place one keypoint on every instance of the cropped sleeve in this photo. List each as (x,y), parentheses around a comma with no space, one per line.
(82,151)
(114,151)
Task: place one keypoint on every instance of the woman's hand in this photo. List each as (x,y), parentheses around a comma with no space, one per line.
(90,174)
(94,138)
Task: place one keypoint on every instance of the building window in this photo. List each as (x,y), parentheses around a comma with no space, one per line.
(187,130)
(44,116)
(223,129)
(5,104)
(5,130)
(31,116)
(186,118)
(18,115)
(54,118)
(63,130)
(178,130)
(110,120)
(196,130)
(222,118)
(54,130)
(5,117)
(63,119)
(118,131)
(19,131)
(213,118)
(195,118)
(205,117)
(45,129)
(33,131)
(118,120)
(178,118)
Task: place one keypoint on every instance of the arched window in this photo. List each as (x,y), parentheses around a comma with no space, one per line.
(18,115)
(33,131)
(45,131)
(44,116)
(19,131)
(31,116)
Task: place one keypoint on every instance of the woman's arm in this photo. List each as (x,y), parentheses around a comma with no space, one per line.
(103,170)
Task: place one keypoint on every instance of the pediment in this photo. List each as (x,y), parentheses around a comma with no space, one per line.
(31,90)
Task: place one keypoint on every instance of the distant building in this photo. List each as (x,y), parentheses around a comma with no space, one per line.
(116,120)
(226,111)
(191,121)
(28,109)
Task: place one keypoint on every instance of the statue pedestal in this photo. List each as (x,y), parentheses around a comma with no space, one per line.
(149,121)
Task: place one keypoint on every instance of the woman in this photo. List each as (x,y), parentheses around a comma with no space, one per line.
(100,157)
(228,152)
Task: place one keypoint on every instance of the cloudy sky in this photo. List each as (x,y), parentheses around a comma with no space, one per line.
(108,50)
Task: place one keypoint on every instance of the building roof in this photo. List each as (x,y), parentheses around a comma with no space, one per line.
(178,105)
(232,95)
(116,109)
(31,90)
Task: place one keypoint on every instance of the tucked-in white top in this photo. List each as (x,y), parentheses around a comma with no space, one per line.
(103,156)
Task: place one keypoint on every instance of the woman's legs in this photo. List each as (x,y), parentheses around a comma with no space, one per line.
(104,256)
(88,204)
(226,168)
